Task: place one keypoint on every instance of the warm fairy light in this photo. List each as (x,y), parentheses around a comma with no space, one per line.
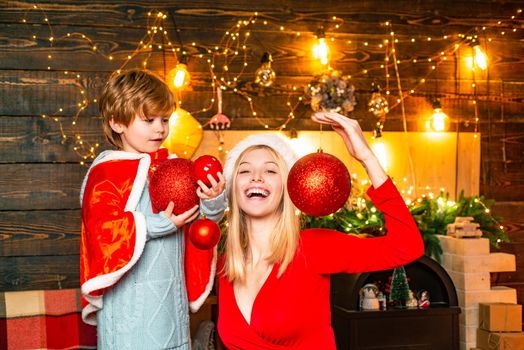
(235,45)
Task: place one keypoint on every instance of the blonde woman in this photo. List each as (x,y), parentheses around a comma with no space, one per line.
(274,280)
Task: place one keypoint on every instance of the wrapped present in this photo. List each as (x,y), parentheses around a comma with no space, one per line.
(44,319)
(500,317)
(500,341)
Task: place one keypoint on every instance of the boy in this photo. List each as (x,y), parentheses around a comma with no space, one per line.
(132,260)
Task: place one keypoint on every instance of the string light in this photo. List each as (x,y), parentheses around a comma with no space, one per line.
(235,46)
(358,201)
(85,150)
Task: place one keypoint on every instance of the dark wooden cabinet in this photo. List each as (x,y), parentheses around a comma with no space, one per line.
(408,329)
(435,328)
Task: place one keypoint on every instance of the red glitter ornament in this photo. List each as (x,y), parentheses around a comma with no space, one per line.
(319,184)
(172,181)
(205,165)
(204,233)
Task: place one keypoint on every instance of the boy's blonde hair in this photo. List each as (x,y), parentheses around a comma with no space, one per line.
(132,93)
(284,238)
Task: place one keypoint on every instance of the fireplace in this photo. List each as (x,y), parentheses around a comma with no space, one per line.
(434,328)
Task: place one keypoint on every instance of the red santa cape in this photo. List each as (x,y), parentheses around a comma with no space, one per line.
(114,234)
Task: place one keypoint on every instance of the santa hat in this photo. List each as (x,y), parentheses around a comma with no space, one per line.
(274,141)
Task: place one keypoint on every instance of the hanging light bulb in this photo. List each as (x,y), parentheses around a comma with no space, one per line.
(265,75)
(378,105)
(321,50)
(479,57)
(302,144)
(179,77)
(377,131)
(439,120)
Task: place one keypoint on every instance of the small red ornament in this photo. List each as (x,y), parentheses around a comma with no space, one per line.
(172,181)
(319,184)
(204,233)
(204,165)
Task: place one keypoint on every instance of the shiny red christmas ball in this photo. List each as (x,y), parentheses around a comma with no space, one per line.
(319,184)
(204,233)
(172,181)
(205,165)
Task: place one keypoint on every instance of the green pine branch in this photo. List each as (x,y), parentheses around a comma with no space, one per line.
(432,216)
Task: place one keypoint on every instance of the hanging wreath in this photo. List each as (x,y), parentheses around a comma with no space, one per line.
(331,92)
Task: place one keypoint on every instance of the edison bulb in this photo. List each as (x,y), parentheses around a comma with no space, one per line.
(265,75)
(321,51)
(438,121)
(481,59)
(378,105)
(179,77)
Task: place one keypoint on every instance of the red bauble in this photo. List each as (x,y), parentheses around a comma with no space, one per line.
(172,181)
(204,234)
(319,184)
(205,165)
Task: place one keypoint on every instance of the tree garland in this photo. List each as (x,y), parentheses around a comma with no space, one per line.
(432,216)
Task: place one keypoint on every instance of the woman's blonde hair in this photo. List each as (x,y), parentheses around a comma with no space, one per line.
(133,93)
(284,238)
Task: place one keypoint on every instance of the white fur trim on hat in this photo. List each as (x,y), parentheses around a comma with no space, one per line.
(277,142)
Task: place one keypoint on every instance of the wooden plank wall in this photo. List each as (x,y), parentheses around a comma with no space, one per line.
(40,174)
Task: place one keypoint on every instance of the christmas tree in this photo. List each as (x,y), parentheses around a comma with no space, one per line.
(399,287)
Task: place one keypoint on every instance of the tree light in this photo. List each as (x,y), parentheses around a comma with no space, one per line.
(321,50)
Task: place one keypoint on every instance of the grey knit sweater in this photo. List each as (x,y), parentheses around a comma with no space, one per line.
(148,307)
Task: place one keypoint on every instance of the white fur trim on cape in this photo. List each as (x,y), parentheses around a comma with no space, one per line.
(107,280)
(195,305)
(277,142)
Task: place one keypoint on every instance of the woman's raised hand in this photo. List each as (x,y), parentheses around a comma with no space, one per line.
(350,131)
